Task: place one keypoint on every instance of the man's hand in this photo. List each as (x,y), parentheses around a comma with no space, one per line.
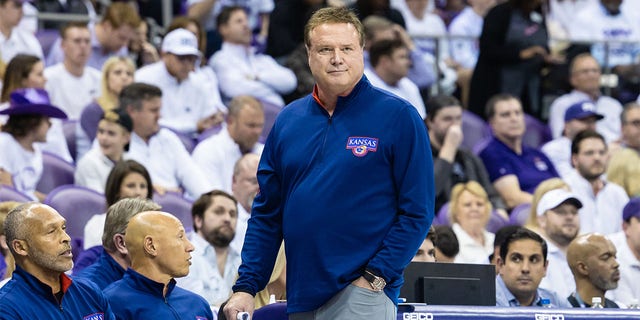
(149,53)
(452,140)
(239,302)
(362,283)
(402,35)
(210,121)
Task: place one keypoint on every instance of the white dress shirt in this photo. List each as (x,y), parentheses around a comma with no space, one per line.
(217,155)
(241,71)
(169,163)
(602,212)
(404,89)
(204,277)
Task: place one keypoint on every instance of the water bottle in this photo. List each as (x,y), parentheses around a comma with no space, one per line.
(596,303)
(546,303)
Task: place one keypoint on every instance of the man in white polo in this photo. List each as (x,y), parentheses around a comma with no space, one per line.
(187,106)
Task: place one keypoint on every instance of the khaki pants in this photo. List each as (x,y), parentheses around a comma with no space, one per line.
(353,303)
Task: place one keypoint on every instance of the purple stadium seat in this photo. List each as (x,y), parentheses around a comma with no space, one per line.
(480,145)
(474,129)
(86,258)
(209,132)
(496,222)
(174,203)
(69,129)
(520,214)
(77,205)
(188,142)
(442,216)
(537,132)
(274,311)
(56,172)
(271,111)
(10,194)
(47,37)
(89,119)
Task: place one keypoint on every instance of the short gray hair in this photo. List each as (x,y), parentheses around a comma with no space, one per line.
(118,217)
(14,226)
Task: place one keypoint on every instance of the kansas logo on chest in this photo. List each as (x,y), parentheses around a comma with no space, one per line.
(360,146)
(95,316)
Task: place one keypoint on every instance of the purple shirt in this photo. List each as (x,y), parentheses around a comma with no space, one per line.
(531,166)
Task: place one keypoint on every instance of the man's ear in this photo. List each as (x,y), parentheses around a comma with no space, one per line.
(118,242)
(384,59)
(582,268)
(20,247)
(150,246)
(499,265)
(574,160)
(542,221)
(3,243)
(197,222)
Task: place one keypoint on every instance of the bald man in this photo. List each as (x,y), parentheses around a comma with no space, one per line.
(244,185)
(39,289)
(159,251)
(592,259)
(114,259)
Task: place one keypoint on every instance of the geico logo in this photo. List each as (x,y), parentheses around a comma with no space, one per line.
(549,316)
(417,316)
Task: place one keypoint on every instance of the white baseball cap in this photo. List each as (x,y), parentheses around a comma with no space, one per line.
(181,42)
(555,198)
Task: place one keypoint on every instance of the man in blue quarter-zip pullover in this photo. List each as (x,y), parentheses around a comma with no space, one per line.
(159,252)
(39,289)
(114,259)
(346,178)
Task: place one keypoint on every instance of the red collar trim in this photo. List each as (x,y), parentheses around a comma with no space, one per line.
(65,282)
(315,96)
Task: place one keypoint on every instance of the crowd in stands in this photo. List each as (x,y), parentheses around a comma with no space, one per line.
(136,119)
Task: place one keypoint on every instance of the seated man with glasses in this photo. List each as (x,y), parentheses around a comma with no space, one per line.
(584,76)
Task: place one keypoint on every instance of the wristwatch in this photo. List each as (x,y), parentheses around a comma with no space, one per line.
(377,283)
